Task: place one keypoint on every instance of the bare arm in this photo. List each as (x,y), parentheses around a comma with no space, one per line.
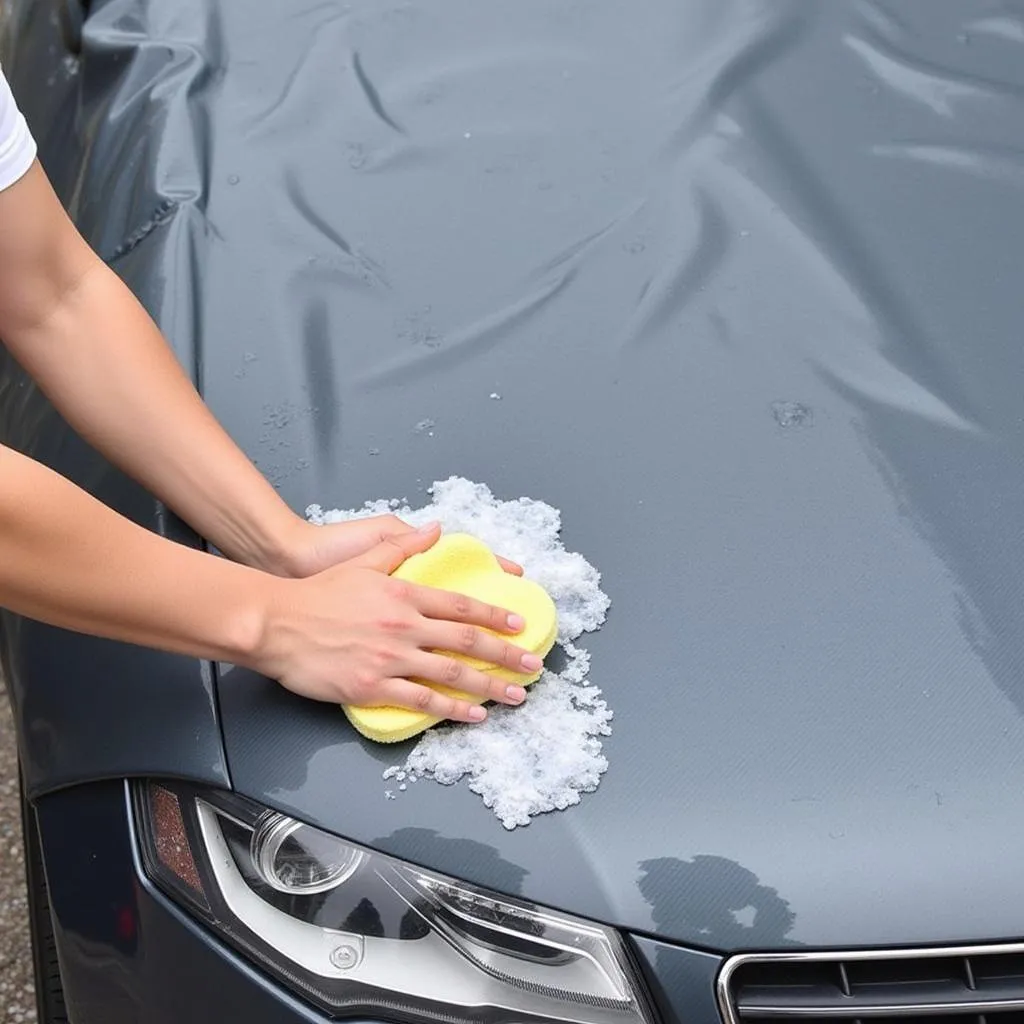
(68,560)
(96,353)
(349,634)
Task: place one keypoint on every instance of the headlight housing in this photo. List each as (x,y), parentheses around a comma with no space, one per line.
(356,931)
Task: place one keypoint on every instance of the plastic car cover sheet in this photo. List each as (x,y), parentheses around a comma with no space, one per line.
(747,277)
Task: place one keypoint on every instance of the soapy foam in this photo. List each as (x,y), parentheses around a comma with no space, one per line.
(544,754)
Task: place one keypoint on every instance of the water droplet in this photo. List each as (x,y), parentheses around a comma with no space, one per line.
(792,414)
(417,330)
(233,179)
(356,155)
(468,135)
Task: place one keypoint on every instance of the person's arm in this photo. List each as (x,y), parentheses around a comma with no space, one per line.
(349,635)
(96,353)
(68,560)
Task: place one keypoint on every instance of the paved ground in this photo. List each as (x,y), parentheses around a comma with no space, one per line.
(17,999)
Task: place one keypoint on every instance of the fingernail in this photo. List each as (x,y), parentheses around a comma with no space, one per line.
(516,694)
(428,527)
(477,714)
(516,622)
(532,663)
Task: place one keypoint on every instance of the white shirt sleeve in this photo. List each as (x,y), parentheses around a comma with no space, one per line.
(17,147)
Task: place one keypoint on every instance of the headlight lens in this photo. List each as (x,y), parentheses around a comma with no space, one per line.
(299,859)
(358,931)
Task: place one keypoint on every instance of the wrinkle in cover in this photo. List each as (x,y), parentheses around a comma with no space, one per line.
(754,40)
(1002,163)
(367,270)
(572,255)
(929,389)
(689,270)
(308,68)
(372,95)
(882,19)
(1000,26)
(479,337)
(318,363)
(937,87)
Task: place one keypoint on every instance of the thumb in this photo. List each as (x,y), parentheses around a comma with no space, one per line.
(392,551)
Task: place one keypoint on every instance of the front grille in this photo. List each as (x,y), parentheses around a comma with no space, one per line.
(972,985)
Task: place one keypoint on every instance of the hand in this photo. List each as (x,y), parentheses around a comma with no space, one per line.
(354,635)
(309,549)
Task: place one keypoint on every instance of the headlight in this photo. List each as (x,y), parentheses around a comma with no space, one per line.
(299,859)
(358,931)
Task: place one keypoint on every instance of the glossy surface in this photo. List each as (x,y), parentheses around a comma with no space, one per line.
(747,276)
(681,981)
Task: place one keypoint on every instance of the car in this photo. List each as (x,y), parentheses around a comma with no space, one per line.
(736,288)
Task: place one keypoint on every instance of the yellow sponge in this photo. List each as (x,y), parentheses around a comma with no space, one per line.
(460,563)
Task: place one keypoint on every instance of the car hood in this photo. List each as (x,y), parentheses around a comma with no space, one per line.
(759,341)
(746,278)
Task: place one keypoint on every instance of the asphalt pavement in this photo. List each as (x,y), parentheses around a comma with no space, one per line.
(17,998)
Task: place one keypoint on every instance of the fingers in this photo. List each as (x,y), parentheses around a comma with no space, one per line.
(455,621)
(396,544)
(406,694)
(395,548)
(389,526)
(469,641)
(458,675)
(453,607)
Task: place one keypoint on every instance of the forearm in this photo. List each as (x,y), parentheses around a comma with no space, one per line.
(68,560)
(103,363)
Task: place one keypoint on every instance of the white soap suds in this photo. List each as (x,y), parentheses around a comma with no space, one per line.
(542,755)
